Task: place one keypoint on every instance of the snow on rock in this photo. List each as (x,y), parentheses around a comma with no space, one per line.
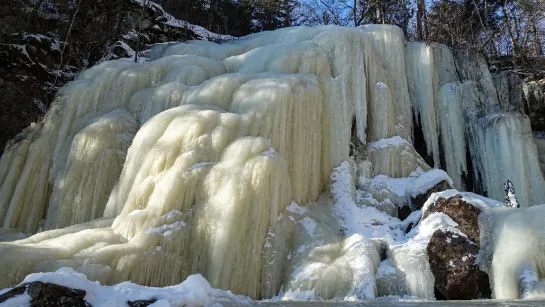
(411,256)
(426,181)
(194,291)
(383,143)
(295,208)
(401,191)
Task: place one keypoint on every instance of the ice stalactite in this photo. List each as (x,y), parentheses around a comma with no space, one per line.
(509,139)
(420,78)
(24,208)
(82,188)
(394,157)
(452,128)
(390,43)
(513,251)
(97,91)
(540,145)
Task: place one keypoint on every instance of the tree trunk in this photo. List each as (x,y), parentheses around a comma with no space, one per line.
(421,20)
(512,39)
(355,13)
(537,40)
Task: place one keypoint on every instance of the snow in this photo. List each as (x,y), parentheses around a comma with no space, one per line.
(426,181)
(201,164)
(402,189)
(381,85)
(393,141)
(194,291)
(295,208)
(269,153)
(167,229)
(309,224)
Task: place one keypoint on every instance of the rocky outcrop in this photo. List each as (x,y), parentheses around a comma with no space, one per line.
(46,294)
(526,97)
(30,74)
(34,66)
(453,255)
(452,260)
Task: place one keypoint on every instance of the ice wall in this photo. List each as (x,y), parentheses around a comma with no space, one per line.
(428,68)
(509,139)
(192,162)
(222,138)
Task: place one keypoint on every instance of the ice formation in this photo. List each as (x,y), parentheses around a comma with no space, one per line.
(231,161)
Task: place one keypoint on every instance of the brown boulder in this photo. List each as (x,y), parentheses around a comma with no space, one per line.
(452,261)
(463,213)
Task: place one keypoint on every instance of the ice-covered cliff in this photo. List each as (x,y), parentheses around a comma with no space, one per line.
(205,160)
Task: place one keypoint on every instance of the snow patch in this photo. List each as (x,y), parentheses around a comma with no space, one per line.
(383,143)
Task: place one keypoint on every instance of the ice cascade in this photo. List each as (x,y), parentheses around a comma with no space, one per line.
(231,161)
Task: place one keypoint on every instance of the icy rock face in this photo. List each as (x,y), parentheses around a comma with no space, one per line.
(222,139)
(534,96)
(510,135)
(523,97)
(237,165)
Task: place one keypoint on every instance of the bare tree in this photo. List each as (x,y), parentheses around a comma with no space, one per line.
(421,20)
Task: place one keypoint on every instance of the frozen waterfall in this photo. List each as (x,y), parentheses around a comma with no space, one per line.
(242,161)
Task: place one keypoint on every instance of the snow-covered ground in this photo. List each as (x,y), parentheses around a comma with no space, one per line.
(194,291)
